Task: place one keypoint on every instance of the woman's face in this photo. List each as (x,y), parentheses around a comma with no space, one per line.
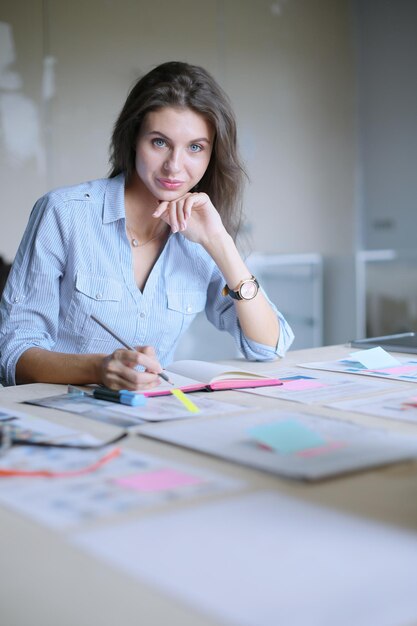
(173,151)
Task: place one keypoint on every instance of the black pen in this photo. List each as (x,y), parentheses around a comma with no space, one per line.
(124,343)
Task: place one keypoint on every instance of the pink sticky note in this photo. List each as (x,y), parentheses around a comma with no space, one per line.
(159,480)
(300,384)
(333,445)
(411,402)
(398,371)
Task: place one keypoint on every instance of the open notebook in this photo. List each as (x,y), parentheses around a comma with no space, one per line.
(204,376)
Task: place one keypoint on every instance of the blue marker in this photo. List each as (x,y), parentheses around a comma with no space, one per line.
(121,397)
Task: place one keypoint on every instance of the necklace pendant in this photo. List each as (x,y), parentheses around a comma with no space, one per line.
(134,242)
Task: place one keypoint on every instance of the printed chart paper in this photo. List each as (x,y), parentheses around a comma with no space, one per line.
(130,482)
(400,405)
(405,371)
(158,409)
(32,427)
(310,447)
(318,388)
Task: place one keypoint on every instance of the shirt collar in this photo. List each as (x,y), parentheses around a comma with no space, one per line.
(114,199)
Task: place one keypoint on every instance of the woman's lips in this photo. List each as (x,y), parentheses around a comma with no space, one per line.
(170,183)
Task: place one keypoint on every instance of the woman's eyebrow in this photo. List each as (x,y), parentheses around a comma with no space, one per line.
(160,134)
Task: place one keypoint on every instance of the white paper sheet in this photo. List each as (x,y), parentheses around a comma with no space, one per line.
(406,371)
(346,446)
(158,409)
(389,405)
(267,560)
(168,408)
(131,482)
(318,388)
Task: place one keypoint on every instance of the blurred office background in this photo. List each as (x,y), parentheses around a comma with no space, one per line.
(325,94)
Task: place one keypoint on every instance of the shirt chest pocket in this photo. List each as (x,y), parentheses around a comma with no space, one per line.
(188,303)
(182,307)
(97,295)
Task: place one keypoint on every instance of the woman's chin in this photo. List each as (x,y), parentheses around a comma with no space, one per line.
(169,196)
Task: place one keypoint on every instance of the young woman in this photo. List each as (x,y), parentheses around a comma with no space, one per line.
(144,250)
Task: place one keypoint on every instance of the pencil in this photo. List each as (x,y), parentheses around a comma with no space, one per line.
(124,343)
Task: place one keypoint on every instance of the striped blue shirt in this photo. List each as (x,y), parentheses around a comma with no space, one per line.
(75,260)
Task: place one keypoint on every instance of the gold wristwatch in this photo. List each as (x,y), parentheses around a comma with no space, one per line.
(246,289)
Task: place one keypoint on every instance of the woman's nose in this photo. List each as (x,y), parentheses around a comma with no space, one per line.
(173,162)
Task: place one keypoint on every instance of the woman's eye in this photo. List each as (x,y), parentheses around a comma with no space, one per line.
(195,147)
(159,143)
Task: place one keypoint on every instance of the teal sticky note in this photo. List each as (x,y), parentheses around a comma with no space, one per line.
(286,436)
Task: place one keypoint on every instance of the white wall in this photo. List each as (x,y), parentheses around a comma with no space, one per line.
(287,65)
(289,74)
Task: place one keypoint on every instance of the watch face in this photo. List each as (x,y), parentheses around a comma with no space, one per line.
(248,290)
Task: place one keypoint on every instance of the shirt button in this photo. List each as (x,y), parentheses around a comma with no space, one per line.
(16,300)
(142,315)
(86,195)
(98,296)
(189,308)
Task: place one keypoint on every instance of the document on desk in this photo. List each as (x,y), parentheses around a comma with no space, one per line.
(158,409)
(131,482)
(295,445)
(405,369)
(400,405)
(37,428)
(271,560)
(320,388)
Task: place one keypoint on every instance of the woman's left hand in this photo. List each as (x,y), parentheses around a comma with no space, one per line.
(193,215)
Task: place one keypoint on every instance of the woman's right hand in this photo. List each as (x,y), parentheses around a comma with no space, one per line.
(118,369)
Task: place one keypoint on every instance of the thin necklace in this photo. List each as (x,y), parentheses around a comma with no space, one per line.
(135,243)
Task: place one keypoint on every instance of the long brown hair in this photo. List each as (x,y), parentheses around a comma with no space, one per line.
(176,84)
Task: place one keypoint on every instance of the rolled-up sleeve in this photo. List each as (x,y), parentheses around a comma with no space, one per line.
(259,352)
(221,312)
(29,308)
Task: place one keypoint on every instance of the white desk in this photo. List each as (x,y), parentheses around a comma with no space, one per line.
(45,581)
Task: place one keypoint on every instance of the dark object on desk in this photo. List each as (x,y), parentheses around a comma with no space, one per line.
(130,398)
(401,342)
(10,437)
(4,272)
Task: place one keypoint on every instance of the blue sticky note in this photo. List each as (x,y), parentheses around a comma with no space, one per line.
(286,436)
(375,358)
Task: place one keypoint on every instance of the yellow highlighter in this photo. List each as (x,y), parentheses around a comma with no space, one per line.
(189,405)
